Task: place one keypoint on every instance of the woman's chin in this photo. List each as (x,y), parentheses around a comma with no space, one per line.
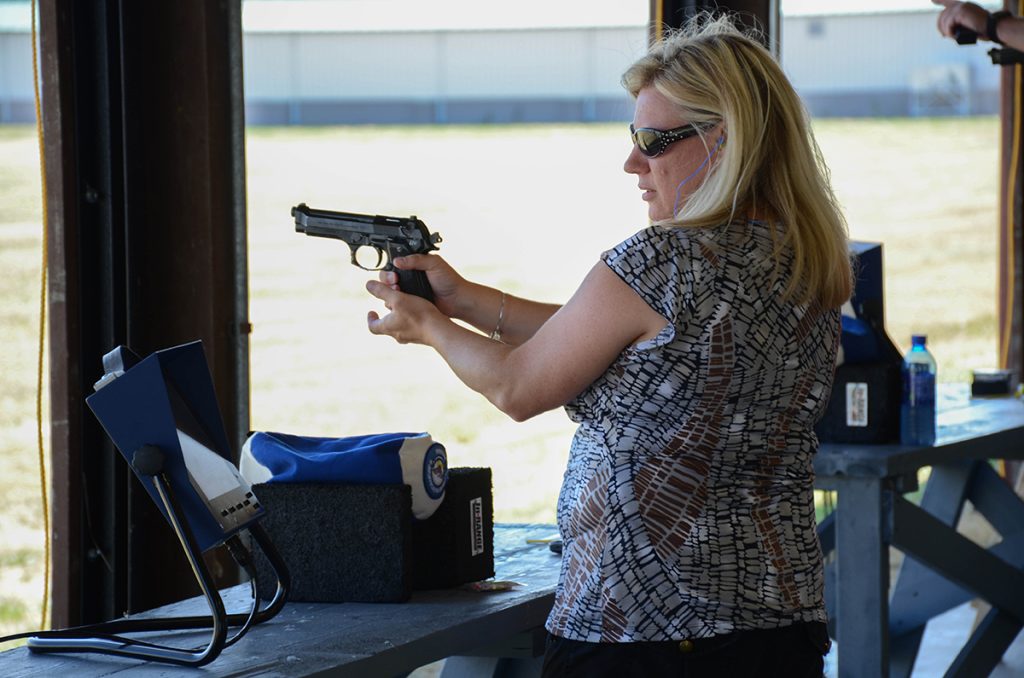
(655,214)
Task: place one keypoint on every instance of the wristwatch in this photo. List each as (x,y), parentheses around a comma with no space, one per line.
(993,21)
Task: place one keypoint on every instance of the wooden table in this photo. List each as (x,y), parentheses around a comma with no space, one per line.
(484,633)
(878,631)
(877,635)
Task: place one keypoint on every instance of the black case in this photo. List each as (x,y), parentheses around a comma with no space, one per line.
(360,543)
(865,403)
(864,406)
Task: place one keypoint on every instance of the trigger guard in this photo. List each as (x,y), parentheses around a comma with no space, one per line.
(380,258)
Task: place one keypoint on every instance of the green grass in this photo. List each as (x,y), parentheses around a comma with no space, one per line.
(12,610)
(524,207)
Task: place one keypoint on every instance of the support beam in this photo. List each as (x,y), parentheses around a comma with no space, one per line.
(863,521)
(762,15)
(922,536)
(143,131)
(1011,215)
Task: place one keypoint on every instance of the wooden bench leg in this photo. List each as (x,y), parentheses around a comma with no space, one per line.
(862,573)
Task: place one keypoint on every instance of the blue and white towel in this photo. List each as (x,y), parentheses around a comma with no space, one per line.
(413,459)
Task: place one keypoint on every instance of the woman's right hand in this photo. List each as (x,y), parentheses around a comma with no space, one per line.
(444,280)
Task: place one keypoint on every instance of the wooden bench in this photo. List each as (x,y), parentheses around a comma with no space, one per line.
(483,632)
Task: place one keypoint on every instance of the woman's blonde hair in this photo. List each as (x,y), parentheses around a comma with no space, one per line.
(769,166)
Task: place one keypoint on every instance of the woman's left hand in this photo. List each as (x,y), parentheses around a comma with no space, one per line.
(410,316)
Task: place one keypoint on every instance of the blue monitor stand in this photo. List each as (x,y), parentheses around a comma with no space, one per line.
(162,415)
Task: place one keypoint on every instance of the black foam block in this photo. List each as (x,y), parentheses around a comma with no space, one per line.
(341,542)
(360,543)
(456,544)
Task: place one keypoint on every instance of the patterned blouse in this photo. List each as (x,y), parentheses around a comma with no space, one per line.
(687,508)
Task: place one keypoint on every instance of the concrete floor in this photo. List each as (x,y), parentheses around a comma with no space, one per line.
(943,638)
(947,633)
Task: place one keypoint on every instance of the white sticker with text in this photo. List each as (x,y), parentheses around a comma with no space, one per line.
(856,404)
(476,522)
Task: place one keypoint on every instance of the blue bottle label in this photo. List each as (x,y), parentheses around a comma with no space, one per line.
(918,386)
(917,413)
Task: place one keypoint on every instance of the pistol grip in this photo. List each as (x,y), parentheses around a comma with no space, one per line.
(415,282)
(964,36)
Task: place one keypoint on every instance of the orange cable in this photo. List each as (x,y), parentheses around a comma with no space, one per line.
(1008,224)
(659,19)
(42,329)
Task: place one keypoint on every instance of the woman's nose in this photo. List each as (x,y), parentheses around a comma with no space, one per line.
(636,162)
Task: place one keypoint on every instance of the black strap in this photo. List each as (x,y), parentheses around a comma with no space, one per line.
(992,22)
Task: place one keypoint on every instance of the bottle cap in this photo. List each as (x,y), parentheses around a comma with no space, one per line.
(918,339)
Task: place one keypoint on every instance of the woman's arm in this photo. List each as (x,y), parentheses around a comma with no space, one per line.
(565,354)
(479,305)
(971,16)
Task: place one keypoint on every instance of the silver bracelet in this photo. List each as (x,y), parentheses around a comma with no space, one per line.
(496,334)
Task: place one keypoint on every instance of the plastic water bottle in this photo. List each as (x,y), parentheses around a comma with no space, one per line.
(917,410)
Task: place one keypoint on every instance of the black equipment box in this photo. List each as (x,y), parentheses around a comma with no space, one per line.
(360,543)
(865,402)
(865,405)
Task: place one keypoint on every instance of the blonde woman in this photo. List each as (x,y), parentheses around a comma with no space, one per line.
(696,357)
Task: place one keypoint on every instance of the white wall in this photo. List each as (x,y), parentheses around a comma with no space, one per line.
(873,52)
(15,65)
(841,64)
(429,65)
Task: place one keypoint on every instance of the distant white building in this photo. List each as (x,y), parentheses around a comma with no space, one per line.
(393,61)
(890,64)
(440,61)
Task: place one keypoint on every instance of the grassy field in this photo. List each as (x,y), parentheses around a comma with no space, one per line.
(525,208)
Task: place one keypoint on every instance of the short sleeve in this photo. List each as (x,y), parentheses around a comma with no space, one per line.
(653,263)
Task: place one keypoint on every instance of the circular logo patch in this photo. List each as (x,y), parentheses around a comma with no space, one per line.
(435,470)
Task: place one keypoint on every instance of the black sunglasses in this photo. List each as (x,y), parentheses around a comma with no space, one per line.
(653,142)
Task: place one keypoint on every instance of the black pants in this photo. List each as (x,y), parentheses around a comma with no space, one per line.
(795,651)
